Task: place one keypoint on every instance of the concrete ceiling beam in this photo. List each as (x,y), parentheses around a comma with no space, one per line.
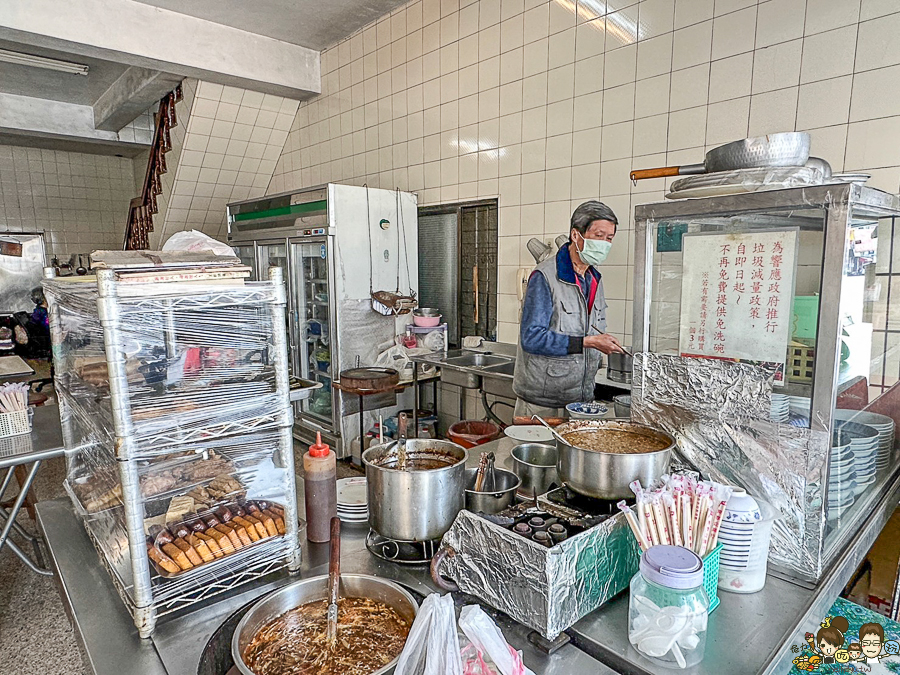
(58,124)
(135,92)
(140,35)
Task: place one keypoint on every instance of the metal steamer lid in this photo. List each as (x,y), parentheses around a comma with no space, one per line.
(672,566)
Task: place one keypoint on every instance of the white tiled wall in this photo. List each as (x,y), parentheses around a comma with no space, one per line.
(225,149)
(548,103)
(79,201)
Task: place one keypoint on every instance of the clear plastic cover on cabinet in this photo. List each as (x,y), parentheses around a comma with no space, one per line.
(174,407)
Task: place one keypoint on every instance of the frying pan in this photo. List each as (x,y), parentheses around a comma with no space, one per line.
(784,149)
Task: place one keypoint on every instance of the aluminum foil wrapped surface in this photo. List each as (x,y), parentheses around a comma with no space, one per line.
(547,589)
(718,412)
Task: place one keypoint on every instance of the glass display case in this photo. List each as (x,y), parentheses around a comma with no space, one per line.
(794,286)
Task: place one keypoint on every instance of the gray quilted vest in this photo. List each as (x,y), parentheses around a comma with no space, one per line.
(556,381)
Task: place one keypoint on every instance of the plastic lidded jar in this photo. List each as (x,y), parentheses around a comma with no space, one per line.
(668,608)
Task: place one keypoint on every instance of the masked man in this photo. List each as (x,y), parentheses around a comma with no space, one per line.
(562,333)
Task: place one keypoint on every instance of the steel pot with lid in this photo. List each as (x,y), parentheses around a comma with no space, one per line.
(605,470)
(418,502)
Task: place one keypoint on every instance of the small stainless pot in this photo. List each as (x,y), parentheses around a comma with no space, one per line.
(622,405)
(535,464)
(607,475)
(310,590)
(619,366)
(492,502)
(415,504)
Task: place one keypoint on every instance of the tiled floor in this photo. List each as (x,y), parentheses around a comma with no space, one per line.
(35,635)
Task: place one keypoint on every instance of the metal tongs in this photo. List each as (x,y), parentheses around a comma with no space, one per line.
(624,351)
(485,477)
(400,441)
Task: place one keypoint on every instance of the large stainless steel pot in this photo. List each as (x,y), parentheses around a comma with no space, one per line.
(415,504)
(606,475)
(312,589)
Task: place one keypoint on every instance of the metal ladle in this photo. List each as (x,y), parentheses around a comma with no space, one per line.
(552,430)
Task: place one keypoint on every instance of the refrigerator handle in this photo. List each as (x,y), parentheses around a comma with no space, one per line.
(295,329)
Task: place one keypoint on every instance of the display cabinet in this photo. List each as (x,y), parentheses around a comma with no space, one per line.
(335,245)
(768,317)
(176,416)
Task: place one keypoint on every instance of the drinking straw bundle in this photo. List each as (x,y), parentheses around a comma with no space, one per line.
(13,397)
(681,511)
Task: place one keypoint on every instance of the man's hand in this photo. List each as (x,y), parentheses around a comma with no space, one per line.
(605,342)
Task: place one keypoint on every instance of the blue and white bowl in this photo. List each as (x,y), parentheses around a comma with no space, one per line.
(741,508)
(586,411)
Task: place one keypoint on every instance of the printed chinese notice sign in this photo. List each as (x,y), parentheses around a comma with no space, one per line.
(736,295)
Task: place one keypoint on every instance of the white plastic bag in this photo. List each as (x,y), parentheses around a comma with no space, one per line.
(396,357)
(412,658)
(488,639)
(443,641)
(432,647)
(195,241)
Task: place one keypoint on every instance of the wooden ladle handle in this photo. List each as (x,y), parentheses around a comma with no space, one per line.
(663,172)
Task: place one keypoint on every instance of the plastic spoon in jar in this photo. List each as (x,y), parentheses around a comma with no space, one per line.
(334,582)
(552,430)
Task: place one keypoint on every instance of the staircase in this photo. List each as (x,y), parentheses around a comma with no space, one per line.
(142,209)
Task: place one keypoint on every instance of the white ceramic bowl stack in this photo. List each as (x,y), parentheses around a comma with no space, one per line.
(736,531)
(842,478)
(883,424)
(781,408)
(744,534)
(352,500)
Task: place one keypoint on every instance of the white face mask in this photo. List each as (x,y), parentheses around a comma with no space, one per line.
(593,251)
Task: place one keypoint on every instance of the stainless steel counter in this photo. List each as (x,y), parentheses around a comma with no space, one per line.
(110,641)
(747,633)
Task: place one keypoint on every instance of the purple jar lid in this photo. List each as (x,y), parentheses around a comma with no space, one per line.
(672,566)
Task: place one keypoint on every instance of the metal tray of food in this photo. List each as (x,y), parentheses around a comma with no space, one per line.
(302,389)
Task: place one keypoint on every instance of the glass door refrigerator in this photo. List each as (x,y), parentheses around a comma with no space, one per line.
(336,243)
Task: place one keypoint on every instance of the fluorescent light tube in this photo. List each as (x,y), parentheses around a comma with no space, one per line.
(43,62)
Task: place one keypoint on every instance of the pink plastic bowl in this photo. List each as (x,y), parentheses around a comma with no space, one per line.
(427,321)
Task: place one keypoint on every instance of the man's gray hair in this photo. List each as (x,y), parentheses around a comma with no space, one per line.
(590,211)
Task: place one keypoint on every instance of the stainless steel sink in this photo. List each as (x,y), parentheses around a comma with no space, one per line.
(507,368)
(497,380)
(465,369)
(476,360)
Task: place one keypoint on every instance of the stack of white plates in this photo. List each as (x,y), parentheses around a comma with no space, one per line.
(781,408)
(883,425)
(842,477)
(864,446)
(800,404)
(352,500)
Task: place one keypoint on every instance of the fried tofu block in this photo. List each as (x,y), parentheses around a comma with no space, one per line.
(200,547)
(211,543)
(178,556)
(249,527)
